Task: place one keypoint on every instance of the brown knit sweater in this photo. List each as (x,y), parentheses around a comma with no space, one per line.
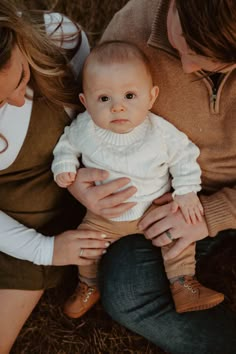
(187,102)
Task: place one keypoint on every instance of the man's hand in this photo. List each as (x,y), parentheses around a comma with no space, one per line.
(103,200)
(158,221)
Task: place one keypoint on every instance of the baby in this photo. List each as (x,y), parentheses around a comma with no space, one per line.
(118,133)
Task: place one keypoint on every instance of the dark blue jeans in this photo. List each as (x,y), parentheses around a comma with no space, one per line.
(135,292)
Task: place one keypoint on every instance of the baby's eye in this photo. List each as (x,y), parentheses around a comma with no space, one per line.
(104,98)
(130,95)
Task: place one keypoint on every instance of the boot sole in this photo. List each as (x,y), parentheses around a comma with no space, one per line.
(200,307)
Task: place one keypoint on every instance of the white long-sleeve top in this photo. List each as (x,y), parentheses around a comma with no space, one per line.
(15,239)
(155,156)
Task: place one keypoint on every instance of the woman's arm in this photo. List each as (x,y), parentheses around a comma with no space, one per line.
(23,243)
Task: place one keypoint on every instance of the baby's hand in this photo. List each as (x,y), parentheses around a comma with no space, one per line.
(65,179)
(190,206)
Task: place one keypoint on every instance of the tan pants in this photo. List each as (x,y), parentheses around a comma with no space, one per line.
(183,264)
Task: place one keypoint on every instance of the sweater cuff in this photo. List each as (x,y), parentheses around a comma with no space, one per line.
(217,213)
(63,167)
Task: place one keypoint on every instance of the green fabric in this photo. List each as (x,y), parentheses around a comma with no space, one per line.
(29,194)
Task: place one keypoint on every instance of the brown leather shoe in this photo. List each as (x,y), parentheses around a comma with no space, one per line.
(189,295)
(81,301)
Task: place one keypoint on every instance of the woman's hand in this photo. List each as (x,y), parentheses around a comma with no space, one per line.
(103,200)
(162,226)
(78,247)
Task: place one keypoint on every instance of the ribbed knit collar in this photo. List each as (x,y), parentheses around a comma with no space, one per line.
(159,37)
(122,139)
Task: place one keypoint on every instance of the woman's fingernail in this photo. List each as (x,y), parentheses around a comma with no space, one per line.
(103,236)
(104,251)
(107,244)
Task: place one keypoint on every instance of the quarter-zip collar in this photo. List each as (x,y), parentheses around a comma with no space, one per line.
(214,92)
(159,36)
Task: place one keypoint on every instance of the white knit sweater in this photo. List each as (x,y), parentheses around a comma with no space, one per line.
(154,155)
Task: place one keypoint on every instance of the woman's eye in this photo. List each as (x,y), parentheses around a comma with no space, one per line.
(104,98)
(130,96)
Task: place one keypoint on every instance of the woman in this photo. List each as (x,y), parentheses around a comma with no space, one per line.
(40,60)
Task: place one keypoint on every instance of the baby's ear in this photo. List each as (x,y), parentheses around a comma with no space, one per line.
(83,99)
(154,95)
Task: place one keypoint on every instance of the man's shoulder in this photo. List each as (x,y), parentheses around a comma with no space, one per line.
(133,21)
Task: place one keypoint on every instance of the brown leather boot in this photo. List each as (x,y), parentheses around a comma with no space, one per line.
(81,301)
(189,295)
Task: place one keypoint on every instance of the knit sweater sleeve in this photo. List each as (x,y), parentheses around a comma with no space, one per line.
(182,160)
(66,152)
(220,210)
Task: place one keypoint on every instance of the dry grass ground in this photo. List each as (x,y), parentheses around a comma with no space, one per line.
(48,331)
(92,15)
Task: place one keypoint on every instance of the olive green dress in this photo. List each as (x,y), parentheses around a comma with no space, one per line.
(29,194)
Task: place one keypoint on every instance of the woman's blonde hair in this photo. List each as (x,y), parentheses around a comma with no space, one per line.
(51,77)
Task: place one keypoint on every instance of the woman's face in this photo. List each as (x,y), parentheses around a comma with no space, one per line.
(14,78)
(191,61)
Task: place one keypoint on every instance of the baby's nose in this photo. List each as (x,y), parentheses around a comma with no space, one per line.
(117,107)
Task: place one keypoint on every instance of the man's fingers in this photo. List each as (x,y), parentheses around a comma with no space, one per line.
(174,207)
(164,199)
(117,210)
(163,239)
(114,200)
(91,175)
(154,216)
(157,229)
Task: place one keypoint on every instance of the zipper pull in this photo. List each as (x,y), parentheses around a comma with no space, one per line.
(214,95)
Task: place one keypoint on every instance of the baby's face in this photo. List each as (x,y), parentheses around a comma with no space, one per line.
(118,96)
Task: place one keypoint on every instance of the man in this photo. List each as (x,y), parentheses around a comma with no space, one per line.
(191,46)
